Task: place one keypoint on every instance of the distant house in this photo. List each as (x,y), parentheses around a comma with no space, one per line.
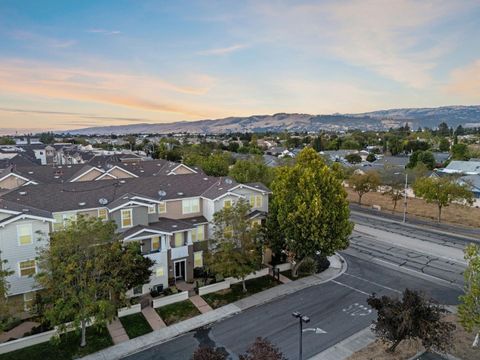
(474,182)
(462,167)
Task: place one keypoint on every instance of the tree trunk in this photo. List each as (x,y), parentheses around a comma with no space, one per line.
(394,205)
(83,342)
(392,348)
(360,199)
(476,341)
(296,266)
(244,286)
(439,214)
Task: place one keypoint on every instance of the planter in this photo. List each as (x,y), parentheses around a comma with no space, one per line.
(213,287)
(134,309)
(170,299)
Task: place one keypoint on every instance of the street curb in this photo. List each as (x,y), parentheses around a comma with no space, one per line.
(160,336)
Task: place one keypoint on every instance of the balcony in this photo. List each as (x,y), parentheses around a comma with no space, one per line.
(155,256)
(179,252)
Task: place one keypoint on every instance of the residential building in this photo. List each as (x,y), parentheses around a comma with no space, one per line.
(169,215)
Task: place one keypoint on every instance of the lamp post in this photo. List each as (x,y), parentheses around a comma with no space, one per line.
(405,199)
(302,319)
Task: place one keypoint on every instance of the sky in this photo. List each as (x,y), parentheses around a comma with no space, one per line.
(74,64)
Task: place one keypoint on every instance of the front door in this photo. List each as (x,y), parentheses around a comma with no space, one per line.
(180,270)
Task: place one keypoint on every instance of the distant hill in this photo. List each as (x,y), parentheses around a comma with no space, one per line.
(376,120)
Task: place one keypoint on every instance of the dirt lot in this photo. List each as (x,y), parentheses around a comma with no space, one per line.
(462,347)
(454,214)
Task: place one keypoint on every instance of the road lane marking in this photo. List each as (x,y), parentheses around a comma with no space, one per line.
(315,330)
(374,283)
(357,310)
(350,287)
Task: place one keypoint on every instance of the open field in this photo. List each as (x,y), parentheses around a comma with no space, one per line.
(454,214)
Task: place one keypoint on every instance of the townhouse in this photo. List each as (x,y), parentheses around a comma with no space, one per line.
(169,214)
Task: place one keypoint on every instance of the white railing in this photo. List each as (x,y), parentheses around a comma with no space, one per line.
(155,257)
(134,309)
(170,299)
(222,285)
(179,252)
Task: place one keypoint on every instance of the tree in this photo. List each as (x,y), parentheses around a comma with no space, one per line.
(235,243)
(442,192)
(469,308)
(371,157)
(86,271)
(395,183)
(444,144)
(443,129)
(254,170)
(262,349)
(208,353)
(363,183)
(425,157)
(4,287)
(394,145)
(460,152)
(47,138)
(353,158)
(412,317)
(309,211)
(7,140)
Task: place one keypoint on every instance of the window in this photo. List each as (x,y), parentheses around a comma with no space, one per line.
(159,271)
(256,222)
(24,234)
(190,206)
(198,259)
(151,209)
(179,239)
(162,207)
(62,220)
(138,290)
(126,215)
(28,299)
(103,214)
(198,234)
(155,243)
(27,267)
(256,201)
(227,203)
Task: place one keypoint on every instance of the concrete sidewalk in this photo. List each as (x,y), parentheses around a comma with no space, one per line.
(337,267)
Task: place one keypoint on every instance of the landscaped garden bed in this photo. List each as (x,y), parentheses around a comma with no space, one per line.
(67,348)
(177,312)
(224,297)
(135,325)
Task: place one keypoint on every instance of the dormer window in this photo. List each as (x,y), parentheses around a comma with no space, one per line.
(126,218)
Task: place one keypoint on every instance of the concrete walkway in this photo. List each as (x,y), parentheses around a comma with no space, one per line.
(201,304)
(337,267)
(283,279)
(117,332)
(18,331)
(152,317)
(348,346)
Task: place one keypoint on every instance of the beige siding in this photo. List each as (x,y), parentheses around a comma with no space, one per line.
(120,174)
(91,175)
(174,210)
(11,182)
(182,170)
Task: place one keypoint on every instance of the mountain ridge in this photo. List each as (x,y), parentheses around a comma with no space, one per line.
(454,115)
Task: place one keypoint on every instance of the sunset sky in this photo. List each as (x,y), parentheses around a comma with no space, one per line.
(73,64)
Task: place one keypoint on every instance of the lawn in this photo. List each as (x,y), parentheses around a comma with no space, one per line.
(177,312)
(67,348)
(135,325)
(454,214)
(224,297)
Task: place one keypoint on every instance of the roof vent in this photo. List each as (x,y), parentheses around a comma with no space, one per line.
(174,226)
(122,181)
(30,172)
(25,210)
(82,203)
(180,193)
(228,181)
(23,193)
(161,193)
(142,171)
(205,179)
(103,201)
(56,176)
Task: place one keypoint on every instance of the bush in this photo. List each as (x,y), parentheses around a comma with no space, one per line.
(309,266)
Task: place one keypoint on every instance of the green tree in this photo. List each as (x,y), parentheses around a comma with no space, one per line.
(442,192)
(363,183)
(371,157)
(208,353)
(353,158)
(4,287)
(394,145)
(444,144)
(460,152)
(47,138)
(412,317)
(420,156)
(86,272)
(7,140)
(443,129)
(395,183)
(235,243)
(253,170)
(309,210)
(469,308)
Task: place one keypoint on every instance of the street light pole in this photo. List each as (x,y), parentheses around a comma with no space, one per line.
(302,319)
(405,198)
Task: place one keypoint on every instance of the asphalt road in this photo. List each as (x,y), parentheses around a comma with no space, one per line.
(337,307)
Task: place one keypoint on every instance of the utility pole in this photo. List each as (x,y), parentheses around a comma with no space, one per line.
(302,319)
(405,198)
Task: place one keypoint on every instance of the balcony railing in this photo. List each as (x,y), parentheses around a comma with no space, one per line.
(179,252)
(155,256)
